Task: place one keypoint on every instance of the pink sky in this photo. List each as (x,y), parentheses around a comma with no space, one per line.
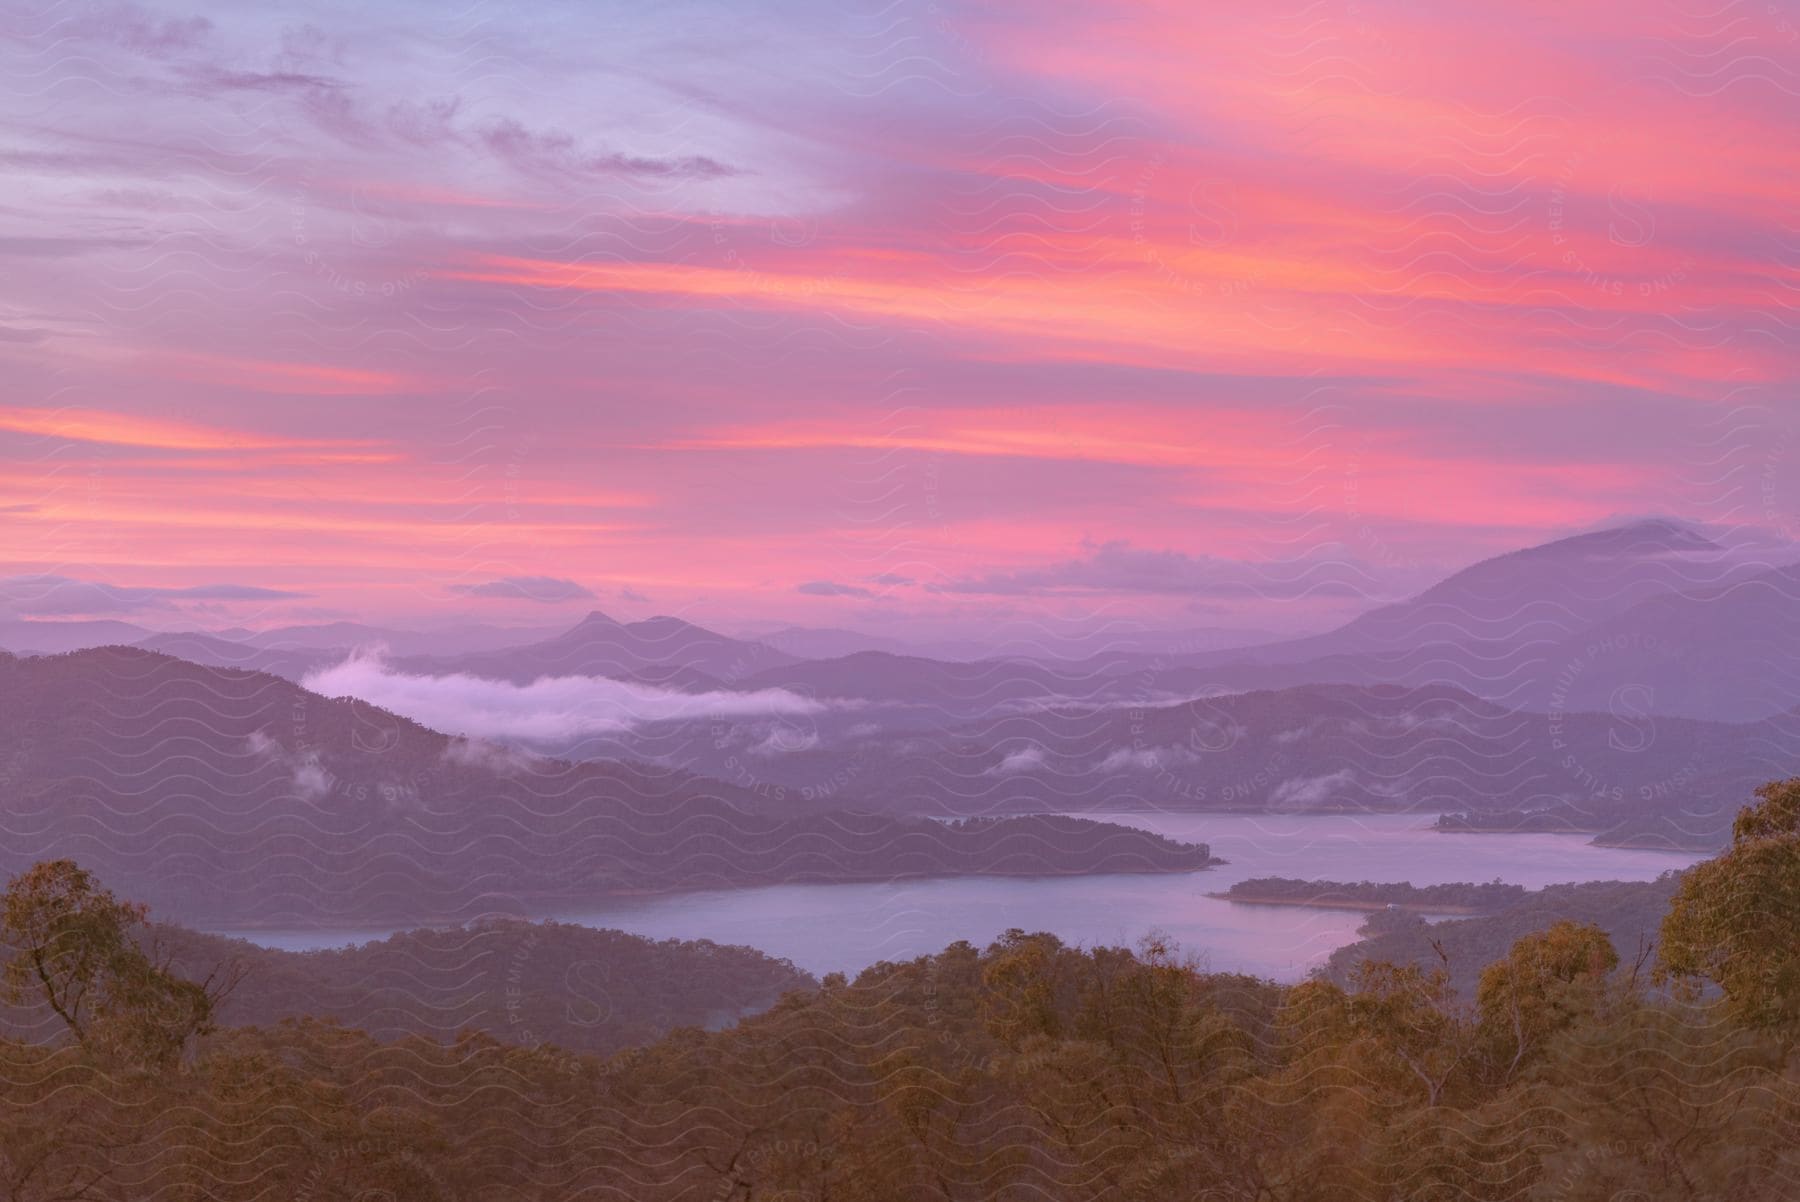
(910,316)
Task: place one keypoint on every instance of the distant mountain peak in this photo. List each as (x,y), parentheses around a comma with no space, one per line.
(1649,536)
(595,620)
(662,622)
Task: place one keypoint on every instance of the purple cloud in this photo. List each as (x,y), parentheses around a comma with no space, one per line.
(830,588)
(554,151)
(48,595)
(547,590)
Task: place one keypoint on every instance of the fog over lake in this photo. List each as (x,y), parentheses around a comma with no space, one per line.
(847,927)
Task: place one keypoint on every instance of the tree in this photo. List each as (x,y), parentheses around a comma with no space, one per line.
(1548,980)
(1736,919)
(76,947)
(1413,1016)
(1022,986)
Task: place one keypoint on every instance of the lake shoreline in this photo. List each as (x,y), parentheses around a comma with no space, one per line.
(1350,904)
(847,926)
(537,902)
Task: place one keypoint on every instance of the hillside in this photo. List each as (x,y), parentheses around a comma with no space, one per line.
(1651,617)
(1028,1069)
(238,797)
(1630,913)
(525,984)
(1325,748)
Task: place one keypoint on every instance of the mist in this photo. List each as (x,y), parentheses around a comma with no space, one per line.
(549,709)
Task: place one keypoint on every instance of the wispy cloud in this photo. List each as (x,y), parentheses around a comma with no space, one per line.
(157,433)
(830,588)
(548,590)
(63,596)
(549,709)
(1202,284)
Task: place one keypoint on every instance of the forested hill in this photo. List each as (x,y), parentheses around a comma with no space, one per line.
(524,983)
(1457,898)
(1028,1070)
(1630,912)
(226,796)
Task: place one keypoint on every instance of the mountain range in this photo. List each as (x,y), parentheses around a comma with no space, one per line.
(1653,616)
(227,795)
(1633,682)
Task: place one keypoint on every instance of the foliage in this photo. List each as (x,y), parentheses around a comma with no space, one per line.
(71,946)
(1026,1070)
(1459,896)
(579,988)
(1736,920)
(1548,981)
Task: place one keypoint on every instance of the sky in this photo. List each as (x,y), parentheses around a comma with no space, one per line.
(908,316)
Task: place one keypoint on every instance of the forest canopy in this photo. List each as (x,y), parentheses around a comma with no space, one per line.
(1570,1069)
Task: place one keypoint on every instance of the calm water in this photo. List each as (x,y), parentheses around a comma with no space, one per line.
(824,928)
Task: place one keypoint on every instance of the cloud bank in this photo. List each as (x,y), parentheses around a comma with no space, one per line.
(553,708)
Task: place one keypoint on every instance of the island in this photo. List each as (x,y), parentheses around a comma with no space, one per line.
(1461,898)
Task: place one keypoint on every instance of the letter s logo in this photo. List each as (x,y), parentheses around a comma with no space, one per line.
(1212,214)
(588,1002)
(1632,223)
(1213,727)
(1636,729)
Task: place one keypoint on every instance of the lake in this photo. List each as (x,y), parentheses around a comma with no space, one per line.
(825,928)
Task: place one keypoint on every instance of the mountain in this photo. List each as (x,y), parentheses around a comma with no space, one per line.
(1623,776)
(336,637)
(217,652)
(1730,652)
(295,651)
(828,643)
(344,637)
(1127,639)
(1536,595)
(23,637)
(600,646)
(1501,629)
(232,796)
(947,686)
(1570,624)
(1018,641)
